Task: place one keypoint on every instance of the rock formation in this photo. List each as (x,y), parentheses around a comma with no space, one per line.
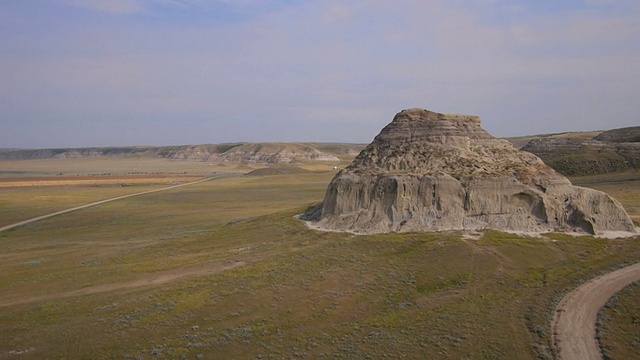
(250,153)
(273,153)
(427,172)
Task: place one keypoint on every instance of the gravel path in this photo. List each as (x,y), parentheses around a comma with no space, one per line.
(574,322)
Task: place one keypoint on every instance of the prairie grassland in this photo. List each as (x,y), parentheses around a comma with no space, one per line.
(52,168)
(619,324)
(30,188)
(102,166)
(21,203)
(121,180)
(222,269)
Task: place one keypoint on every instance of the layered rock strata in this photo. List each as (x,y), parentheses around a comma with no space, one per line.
(427,171)
(260,153)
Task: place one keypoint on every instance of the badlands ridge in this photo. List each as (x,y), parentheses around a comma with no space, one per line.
(427,171)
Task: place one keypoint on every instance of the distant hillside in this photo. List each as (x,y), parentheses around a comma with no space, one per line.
(570,153)
(521,141)
(279,169)
(243,153)
(623,135)
(577,154)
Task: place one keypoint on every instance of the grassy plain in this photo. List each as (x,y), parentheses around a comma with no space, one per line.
(222,269)
(101,166)
(619,324)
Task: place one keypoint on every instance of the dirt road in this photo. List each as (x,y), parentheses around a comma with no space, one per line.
(574,322)
(152,281)
(38,218)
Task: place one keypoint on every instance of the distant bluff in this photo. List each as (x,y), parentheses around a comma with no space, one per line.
(610,151)
(427,171)
(249,153)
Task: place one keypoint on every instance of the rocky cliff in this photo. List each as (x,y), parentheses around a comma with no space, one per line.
(260,153)
(427,171)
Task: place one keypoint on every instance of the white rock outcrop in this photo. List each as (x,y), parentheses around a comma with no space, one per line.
(427,171)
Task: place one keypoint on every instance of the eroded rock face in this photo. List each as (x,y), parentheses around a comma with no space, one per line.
(427,172)
(267,153)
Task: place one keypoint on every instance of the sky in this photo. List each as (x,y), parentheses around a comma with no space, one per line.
(82,73)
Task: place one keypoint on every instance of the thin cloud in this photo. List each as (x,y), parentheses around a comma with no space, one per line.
(299,72)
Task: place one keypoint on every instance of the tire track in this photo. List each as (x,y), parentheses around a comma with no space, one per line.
(46,216)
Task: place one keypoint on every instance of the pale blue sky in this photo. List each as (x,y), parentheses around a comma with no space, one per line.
(158,72)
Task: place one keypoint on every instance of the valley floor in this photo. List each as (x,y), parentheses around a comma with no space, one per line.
(222,269)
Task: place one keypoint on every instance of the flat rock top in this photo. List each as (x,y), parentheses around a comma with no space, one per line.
(428,171)
(420,124)
(423,142)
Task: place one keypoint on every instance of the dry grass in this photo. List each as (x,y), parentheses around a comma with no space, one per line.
(221,269)
(619,324)
(95,181)
(521,141)
(21,203)
(100,166)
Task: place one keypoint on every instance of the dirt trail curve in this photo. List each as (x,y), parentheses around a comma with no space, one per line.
(574,322)
(38,218)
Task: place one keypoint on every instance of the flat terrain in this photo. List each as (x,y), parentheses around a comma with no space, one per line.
(222,269)
(122,180)
(100,202)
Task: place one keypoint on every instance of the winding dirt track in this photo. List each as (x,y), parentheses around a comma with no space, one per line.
(574,322)
(38,218)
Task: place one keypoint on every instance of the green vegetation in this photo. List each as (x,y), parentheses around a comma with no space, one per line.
(521,141)
(587,160)
(281,169)
(619,324)
(222,269)
(222,148)
(21,203)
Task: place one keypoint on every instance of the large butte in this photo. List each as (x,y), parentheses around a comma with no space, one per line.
(427,171)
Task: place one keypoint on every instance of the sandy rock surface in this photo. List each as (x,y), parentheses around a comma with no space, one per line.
(427,171)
